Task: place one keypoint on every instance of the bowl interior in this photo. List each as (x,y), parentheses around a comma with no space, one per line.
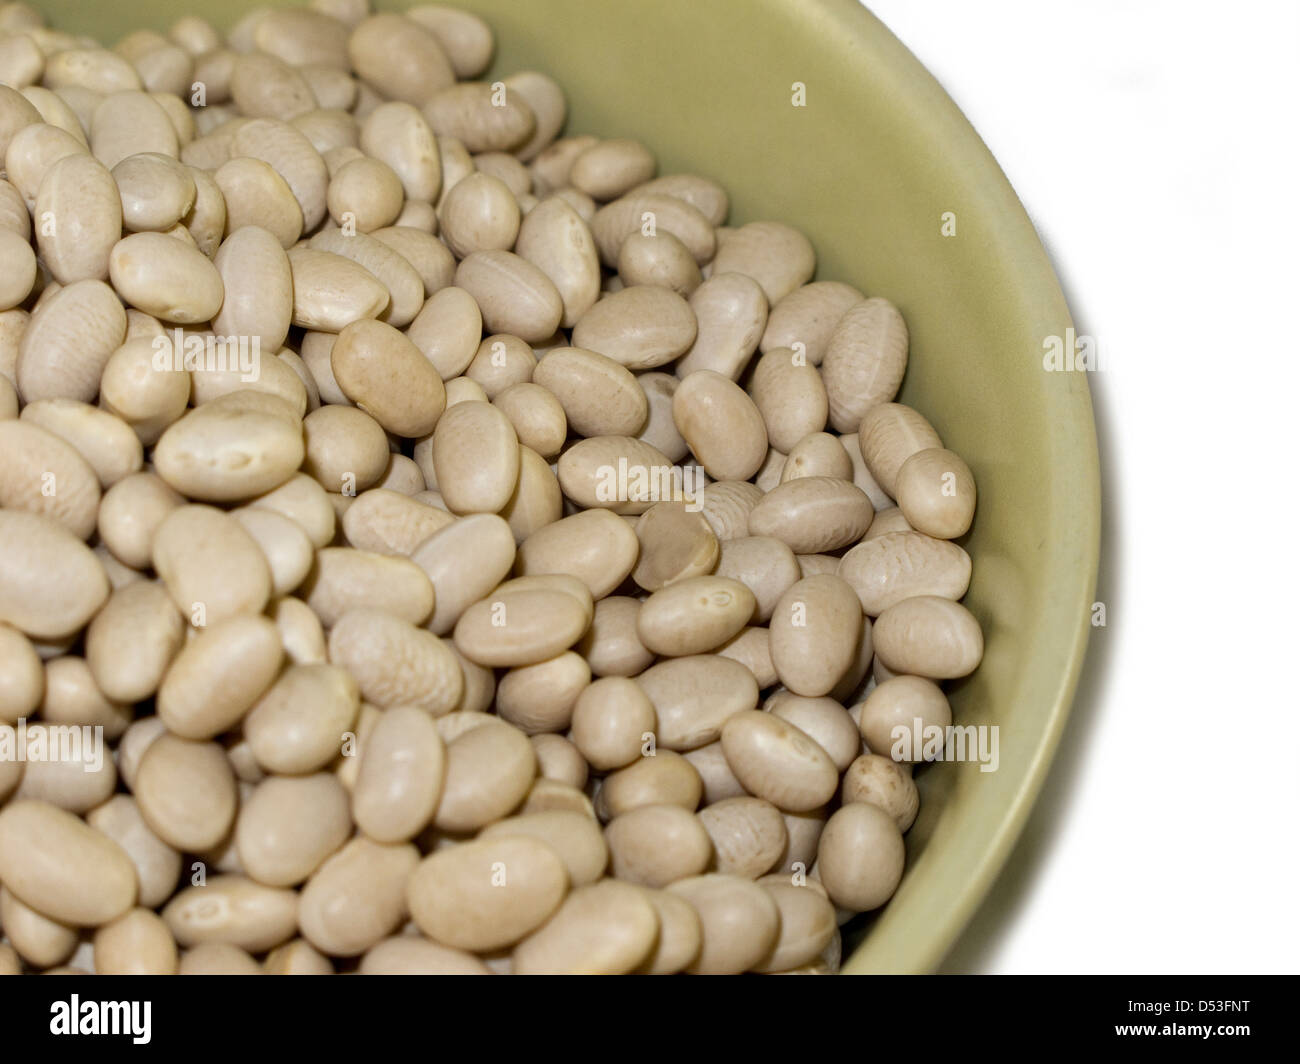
(871,168)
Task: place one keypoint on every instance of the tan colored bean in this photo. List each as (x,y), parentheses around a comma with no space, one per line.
(679,934)
(61,867)
(386,375)
(131,642)
(63,350)
(165,278)
(416,955)
(555,239)
(815,628)
(32,151)
(475,458)
(514,296)
(750,648)
(739,922)
(824,720)
(695,696)
(812,515)
(612,719)
(748,835)
(389,522)
(658,844)
(820,454)
(612,168)
(887,569)
(447,331)
(606,928)
(232,910)
(76,777)
(217,958)
(489,771)
(289,825)
(778,762)
(558,760)
(258,285)
(394,662)
(600,396)
(726,506)
(300,631)
(73,697)
(537,416)
(777,256)
(292,156)
(889,435)
(22,679)
(929,636)
(865,359)
(763,564)
(156,191)
(807,316)
(297,957)
(356,898)
(878,780)
(482,116)
(299,724)
(400,777)
(34,547)
(659,430)
(399,57)
(264,86)
(210,566)
(104,441)
(137,943)
(611,646)
(157,865)
(595,546)
(479,214)
(330,291)
(722,425)
(522,627)
(651,211)
(253,194)
(539,698)
(445,558)
(40,941)
(218,676)
(661,260)
(286,547)
(860,857)
(499,362)
(936,493)
(487,894)
(306,502)
(551,166)
(706,196)
(575,837)
(694,615)
(46,475)
(397,134)
(663,778)
(807,925)
(413,239)
(364,194)
(640,327)
(186,792)
(19,276)
(227,451)
(911,703)
(618,473)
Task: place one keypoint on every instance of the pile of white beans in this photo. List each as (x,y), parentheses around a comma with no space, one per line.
(542,594)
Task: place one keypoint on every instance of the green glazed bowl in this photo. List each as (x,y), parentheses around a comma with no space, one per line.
(869,168)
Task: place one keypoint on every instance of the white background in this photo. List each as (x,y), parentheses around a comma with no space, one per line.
(1155,147)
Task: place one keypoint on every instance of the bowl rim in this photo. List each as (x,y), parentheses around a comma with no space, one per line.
(926,102)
